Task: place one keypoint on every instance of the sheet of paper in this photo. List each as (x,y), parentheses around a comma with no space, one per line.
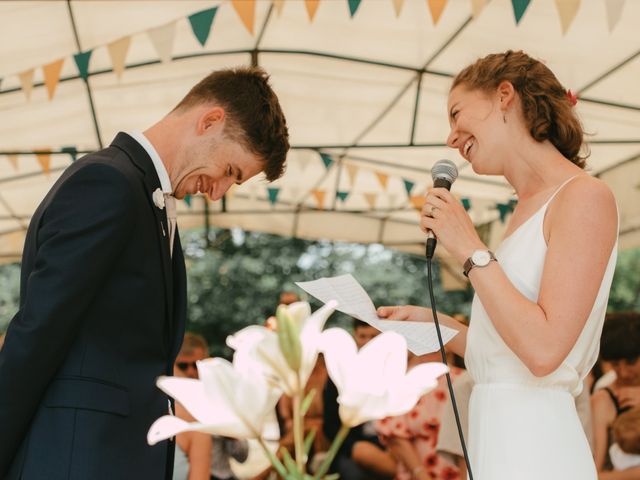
(354,301)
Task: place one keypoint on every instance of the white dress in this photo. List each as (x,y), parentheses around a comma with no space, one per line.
(524,427)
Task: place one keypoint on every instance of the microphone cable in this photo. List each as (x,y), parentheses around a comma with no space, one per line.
(431,246)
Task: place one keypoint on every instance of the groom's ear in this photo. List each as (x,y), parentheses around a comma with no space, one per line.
(211,118)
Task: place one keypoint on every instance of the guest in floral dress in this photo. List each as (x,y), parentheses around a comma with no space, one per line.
(412,437)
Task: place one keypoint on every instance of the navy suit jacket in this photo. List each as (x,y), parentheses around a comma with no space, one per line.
(102,313)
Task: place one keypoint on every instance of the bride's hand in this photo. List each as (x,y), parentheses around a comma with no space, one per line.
(405,312)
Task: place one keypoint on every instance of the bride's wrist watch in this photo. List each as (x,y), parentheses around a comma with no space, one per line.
(479,258)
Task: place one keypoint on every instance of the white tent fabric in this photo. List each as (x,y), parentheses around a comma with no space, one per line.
(368,91)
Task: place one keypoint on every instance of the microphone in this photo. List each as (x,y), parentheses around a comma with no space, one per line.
(444,173)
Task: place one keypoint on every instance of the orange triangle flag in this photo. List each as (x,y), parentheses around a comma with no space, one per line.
(51,73)
(312,8)
(383,178)
(246,10)
(371,199)
(417,201)
(436,7)
(397,6)
(44,159)
(319,196)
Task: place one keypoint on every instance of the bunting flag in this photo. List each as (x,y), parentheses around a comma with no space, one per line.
(304,161)
(44,159)
(567,10)
(436,7)
(187,200)
(72,151)
(397,6)
(26,80)
(504,209)
(273,194)
(51,72)
(82,62)
(319,196)
(392,199)
(417,201)
(353,7)
(201,24)
(327,160)
(519,7)
(466,203)
(162,39)
(342,195)
(408,186)
(278,5)
(13,160)
(614,12)
(352,172)
(477,6)
(118,53)
(371,199)
(312,8)
(246,10)
(232,191)
(383,178)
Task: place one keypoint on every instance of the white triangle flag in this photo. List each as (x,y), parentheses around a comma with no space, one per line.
(162,39)
(26,80)
(118,53)
(614,12)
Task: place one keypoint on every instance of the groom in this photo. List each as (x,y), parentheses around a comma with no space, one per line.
(103,286)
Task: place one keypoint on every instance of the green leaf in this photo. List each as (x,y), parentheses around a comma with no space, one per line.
(306,403)
(288,461)
(308,440)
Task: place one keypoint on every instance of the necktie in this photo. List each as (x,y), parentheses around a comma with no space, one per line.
(170,204)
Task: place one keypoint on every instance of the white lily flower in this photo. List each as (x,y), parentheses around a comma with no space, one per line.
(223,401)
(258,352)
(373,383)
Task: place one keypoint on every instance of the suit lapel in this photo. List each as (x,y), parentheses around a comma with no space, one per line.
(141,159)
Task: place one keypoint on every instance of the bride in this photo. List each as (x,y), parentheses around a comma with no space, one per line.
(540,300)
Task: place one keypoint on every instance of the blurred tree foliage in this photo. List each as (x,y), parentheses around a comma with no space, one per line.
(236,279)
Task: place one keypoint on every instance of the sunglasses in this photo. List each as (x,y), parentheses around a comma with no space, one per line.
(185,365)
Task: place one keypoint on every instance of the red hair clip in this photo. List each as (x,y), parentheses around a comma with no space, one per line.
(573,98)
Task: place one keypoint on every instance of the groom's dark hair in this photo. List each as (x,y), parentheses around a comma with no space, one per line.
(254,116)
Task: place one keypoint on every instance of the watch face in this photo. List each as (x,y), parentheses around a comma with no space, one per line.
(481,258)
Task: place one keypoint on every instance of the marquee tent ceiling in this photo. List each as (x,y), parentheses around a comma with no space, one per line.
(364,89)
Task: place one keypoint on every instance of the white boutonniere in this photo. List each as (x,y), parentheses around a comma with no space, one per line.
(158,198)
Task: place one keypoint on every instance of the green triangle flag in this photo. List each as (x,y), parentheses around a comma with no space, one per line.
(466,203)
(519,7)
(82,62)
(408,185)
(342,195)
(327,160)
(273,195)
(187,200)
(72,151)
(353,6)
(201,24)
(504,209)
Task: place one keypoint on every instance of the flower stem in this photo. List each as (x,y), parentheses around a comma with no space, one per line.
(277,464)
(342,434)
(297,432)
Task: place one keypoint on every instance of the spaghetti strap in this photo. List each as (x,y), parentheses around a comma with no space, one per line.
(553,195)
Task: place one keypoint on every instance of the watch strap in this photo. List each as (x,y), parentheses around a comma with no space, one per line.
(468,264)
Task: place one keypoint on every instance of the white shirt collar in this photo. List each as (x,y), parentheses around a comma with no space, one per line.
(165,183)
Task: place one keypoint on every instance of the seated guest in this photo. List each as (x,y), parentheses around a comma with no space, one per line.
(620,346)
(625,451)
(193,449)
(361,456)
(412,437)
